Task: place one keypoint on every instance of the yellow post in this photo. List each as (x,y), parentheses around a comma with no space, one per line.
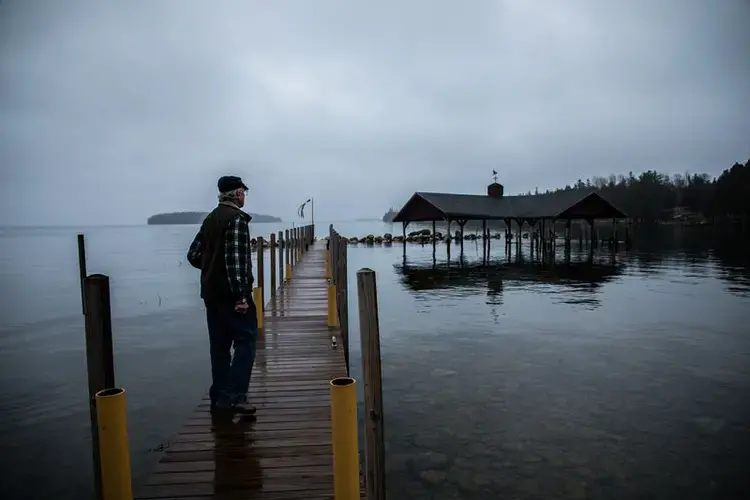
(345,444)
(114,450)
(258,299)
(288,271)
(333,316)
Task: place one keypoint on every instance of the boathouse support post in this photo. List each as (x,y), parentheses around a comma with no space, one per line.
(461,225)
(434,241)
(369,329)
(100,362)
(489,238)
(615,239)
(484,242)
(448,241)
(580,235)
(519,248)
(532,236)
(403,244)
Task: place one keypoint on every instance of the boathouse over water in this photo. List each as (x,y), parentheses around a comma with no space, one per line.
(524,209)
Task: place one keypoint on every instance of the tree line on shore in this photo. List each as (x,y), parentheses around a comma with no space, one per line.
(652,196)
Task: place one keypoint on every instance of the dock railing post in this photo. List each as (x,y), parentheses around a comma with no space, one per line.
(99,356)
(332,309)
(258,300)
(293,250)
(344,437)
(327,269)
(272,265)
(339,274)
(261,278)
(299,245)
(288,253)
(281,258)
(114,450)
(342,290)
(369,329)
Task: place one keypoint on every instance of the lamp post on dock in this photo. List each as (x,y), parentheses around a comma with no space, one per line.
(301,213)
(301,210)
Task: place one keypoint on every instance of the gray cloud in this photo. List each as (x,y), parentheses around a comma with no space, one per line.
(355,103)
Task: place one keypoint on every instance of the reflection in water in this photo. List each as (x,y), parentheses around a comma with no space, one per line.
(624,378)
(237,464)
(576,283)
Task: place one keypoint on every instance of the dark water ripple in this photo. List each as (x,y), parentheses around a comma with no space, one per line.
(614,378)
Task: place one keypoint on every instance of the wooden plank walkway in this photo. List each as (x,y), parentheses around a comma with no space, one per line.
(287,453)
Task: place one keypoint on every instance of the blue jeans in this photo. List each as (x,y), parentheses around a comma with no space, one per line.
(231,374)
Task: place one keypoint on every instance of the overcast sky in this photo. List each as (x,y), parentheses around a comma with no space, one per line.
(114,110)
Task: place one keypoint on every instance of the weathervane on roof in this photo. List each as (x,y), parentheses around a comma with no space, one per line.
(494,176)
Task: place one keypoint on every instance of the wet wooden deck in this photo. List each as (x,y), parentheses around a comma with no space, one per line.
(287,453)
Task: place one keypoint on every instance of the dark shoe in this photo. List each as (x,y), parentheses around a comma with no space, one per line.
(244,410)
(237,408)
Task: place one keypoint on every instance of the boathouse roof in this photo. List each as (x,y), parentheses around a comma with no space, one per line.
(424,206)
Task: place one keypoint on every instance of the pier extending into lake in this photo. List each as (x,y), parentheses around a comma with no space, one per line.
(288,452)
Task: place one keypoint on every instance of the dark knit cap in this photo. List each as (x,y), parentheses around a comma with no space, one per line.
(230,183)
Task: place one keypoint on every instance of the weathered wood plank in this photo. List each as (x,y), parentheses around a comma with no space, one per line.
(287,452)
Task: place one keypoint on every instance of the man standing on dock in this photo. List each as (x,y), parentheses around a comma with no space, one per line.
(221,250)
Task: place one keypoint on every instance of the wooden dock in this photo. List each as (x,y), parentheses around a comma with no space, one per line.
(287,452)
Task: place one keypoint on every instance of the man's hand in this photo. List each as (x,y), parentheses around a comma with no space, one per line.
(242,306)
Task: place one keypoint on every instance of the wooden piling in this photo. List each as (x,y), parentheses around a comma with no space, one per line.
(82,268)
(99,355)
(272,264)
(369,329)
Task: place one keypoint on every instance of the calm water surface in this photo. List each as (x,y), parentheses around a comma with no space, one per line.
(611,379)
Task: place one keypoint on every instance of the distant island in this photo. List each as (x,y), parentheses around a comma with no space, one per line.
(197,218)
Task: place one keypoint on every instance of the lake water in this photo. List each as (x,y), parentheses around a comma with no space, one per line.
(625,378)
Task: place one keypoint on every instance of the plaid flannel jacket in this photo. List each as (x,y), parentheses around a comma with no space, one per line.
(237,257)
